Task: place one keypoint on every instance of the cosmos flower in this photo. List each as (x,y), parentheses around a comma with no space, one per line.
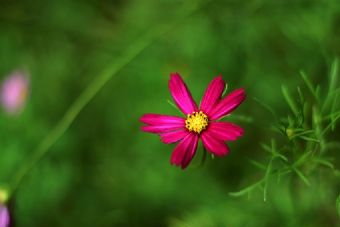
(4,216)
(14,92)
(201,123)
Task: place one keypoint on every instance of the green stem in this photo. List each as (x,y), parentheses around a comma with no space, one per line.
(86,96)
(317,119)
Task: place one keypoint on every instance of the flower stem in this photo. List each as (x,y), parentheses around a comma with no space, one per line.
(87,95)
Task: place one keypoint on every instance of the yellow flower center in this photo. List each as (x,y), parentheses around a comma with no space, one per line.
(196,122)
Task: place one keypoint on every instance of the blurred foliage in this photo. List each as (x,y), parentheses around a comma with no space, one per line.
(105,172)
(304,140)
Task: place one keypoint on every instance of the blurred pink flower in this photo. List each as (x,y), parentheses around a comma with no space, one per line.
(200,123)
(4,216)
(14,92)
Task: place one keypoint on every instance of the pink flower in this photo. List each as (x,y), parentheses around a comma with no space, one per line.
(200,123)
(4,216)
(14,92)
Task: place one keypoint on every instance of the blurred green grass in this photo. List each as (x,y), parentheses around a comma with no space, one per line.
(104,171)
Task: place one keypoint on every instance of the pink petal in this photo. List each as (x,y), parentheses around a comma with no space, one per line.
(190,153)
(181,94)
(228,104)
(4,216)
(214,145)
(225,130)
(185,151)
(212,94)
(174,136)
(161,128)
(14,92)
(161,123)
(159,119)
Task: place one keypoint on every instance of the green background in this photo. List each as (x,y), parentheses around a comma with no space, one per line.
(104,171)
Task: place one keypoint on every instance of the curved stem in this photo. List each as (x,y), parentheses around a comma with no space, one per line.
(86,96)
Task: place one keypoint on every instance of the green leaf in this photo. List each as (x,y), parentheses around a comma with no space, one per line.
(332,84)
(317,90)
(246,190)
(284,158)
(336,117)
(258,164)
(282,172)
(174,106)
(310,139)
(338,204)
(306,132)
(266,147)
(324,162)
(290,101)
(302,176)
(298,130)
(332,115)
(266,179)
(335,102)
(304,158)
(333,76)
(300,117)
(301,97)
(309,85)
(266,106)
(272,150)
(225,90)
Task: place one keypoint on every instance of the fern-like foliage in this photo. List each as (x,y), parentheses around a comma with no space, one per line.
(303,140)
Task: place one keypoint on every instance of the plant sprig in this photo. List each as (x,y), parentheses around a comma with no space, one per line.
(303,143)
